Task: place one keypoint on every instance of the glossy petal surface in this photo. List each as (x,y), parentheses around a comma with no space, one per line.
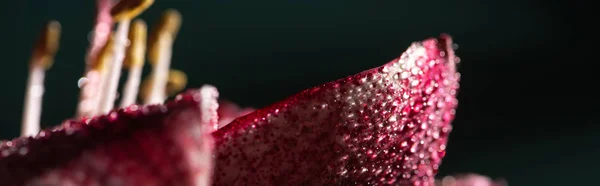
(228,111)
(384,126)
(141,145)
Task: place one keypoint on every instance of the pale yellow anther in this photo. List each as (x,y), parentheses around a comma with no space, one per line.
(137,48)
(105,55)
(170,23)
(176,82)
(163,34)
(129,9)
(47,45)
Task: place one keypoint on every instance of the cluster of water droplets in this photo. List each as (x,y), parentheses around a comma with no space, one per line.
(137,145)
(397,120)
(384,126)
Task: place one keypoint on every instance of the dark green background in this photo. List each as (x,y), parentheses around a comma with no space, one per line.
(527,104)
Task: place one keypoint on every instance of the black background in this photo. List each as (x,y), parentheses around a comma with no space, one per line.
(527,98)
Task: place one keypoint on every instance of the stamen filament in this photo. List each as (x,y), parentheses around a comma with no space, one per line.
(111,83)
(88,98)
(160,53)
(124,11)
(134,62)
(42,59)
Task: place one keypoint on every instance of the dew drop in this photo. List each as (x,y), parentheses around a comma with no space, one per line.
(414,148)
(414,82)
(133,108)
(454,46)
(442,147)
(385,69)
(392,119)
(415,71)
(23,150)
(82,82)
(432,63)
(441,154)
(112,116)
(404,75)
(324,105)
(405,175)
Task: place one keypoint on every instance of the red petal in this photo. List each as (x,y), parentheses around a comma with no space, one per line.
(386,125)
(139,145)
(228,111)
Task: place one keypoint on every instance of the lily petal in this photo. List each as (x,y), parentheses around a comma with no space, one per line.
(387,125)
(140,145)
(228,111)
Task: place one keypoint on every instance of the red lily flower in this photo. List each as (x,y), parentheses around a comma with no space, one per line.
(384,126)
(387,125)
(140,145)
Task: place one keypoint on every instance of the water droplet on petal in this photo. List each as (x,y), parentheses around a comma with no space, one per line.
(82,81)
(23,150)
